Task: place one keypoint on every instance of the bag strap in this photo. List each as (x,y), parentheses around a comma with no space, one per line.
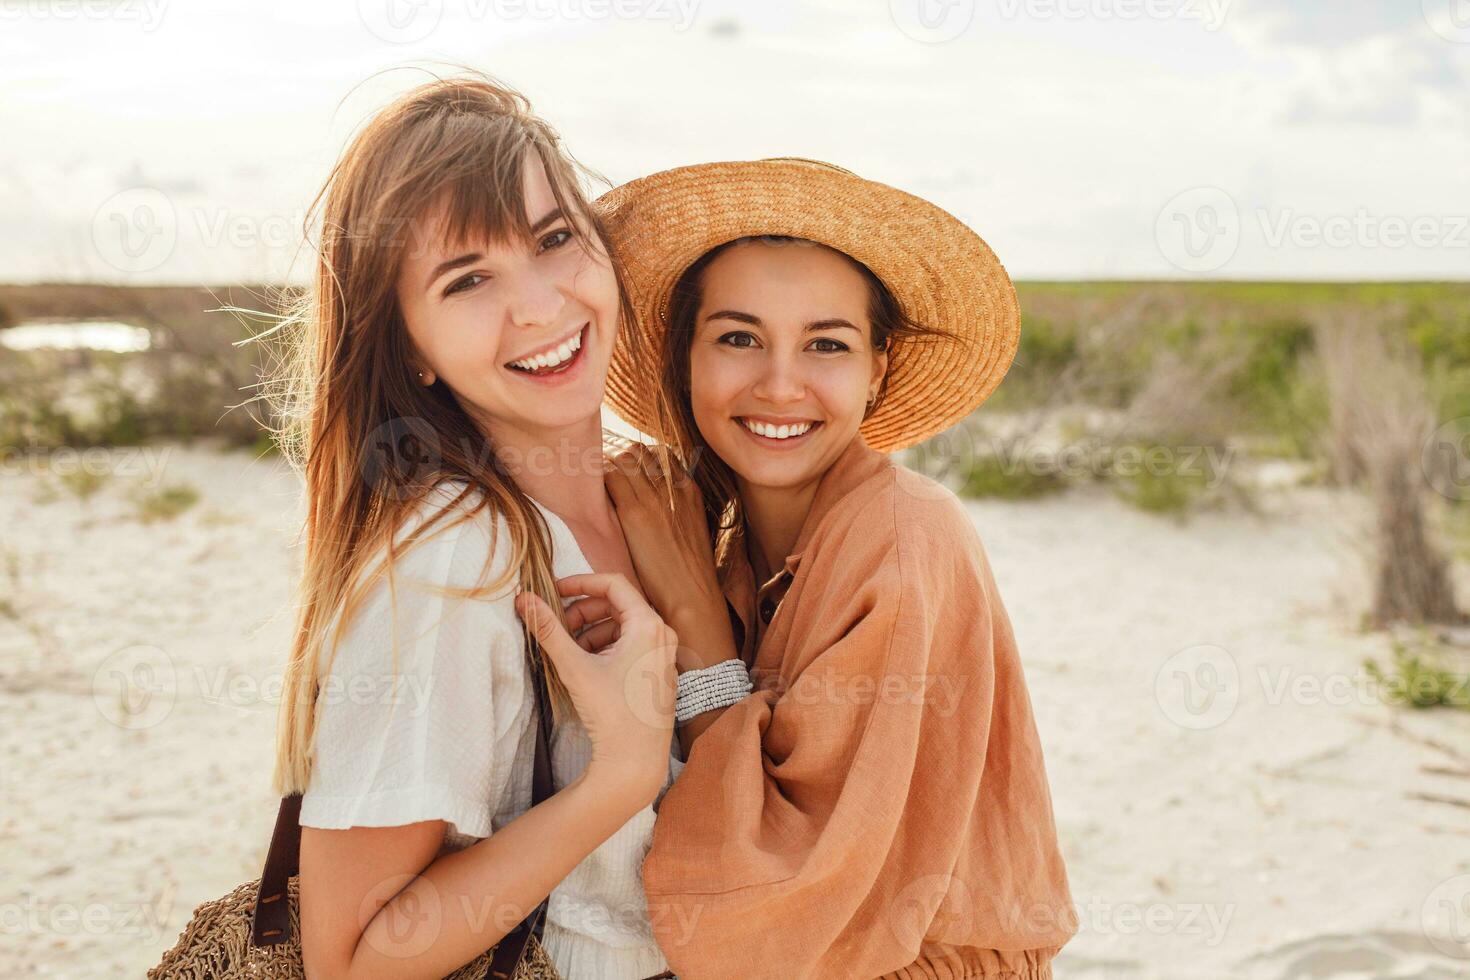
(271,923)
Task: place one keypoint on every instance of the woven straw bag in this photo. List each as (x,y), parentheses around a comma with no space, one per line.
(255,930)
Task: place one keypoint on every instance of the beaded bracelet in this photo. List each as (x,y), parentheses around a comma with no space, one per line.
(710,688)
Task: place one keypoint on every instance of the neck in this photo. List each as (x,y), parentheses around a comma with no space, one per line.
(560,468)
(774,516)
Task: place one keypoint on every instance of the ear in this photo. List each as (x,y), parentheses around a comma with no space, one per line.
(880,369)
(424,376)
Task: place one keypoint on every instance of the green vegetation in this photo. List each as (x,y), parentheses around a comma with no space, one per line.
(165,503)
(993,476)
(1212,363)
(83,483)
(1416,679)
(1171,490)
(182,387)
(1184,364)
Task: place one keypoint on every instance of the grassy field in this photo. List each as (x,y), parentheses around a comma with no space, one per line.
(1200,364)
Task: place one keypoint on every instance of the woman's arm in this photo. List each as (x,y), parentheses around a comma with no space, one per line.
(376,903)
(392,772)
(669,542)
(840,795)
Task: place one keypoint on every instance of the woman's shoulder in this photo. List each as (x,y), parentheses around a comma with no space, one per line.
(897,511)
(451,536)
(440,599)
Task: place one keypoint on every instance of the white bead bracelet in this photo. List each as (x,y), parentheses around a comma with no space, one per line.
(710,688)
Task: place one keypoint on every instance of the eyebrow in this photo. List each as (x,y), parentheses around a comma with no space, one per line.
(450,264)
(469,258)
(546,219)
(828,323)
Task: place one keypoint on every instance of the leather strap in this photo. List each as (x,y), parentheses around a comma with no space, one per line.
(271,924)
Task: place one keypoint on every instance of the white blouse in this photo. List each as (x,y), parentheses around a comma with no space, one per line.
(454,739)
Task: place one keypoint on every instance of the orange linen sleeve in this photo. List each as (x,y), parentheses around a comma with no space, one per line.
(819,826)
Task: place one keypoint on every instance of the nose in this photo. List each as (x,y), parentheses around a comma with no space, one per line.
(780,381)
(536,299)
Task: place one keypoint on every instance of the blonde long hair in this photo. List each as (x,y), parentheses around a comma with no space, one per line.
(370,442)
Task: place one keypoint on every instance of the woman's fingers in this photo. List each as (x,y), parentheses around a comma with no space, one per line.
(617,590)
(547,628)
(584,612)
(598,636)
(635,475)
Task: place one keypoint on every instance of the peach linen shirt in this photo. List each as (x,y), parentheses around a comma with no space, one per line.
(878,807)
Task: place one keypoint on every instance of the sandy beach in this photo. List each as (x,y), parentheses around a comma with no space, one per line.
(1233,800)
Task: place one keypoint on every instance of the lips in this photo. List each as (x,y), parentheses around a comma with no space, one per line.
(784,431)
(553,358)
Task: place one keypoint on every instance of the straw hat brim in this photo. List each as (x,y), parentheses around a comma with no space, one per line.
(942,274)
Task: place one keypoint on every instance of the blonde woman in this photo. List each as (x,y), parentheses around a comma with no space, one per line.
(878,801)
(450,373)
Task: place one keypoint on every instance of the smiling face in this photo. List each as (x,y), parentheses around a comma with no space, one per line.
(781,360)
(520,331)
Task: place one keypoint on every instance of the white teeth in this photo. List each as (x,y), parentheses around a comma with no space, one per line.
(552,357)
(777,431)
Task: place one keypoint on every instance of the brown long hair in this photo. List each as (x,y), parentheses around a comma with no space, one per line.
(370,441)
(891,330)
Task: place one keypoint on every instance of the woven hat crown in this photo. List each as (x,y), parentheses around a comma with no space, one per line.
(942,274)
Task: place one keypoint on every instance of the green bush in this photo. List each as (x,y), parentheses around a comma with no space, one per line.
(992,476)
(166,503)
(1414,680)
(1159,490)
(83,483)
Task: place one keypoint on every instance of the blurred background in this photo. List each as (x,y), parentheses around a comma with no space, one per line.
(1225,487)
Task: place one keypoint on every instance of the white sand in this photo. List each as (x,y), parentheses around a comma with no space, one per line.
(1281,842)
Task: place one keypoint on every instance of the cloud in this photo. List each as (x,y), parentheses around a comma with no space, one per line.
(1354,61)
(1314,24)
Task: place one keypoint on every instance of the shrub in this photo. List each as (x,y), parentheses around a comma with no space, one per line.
(166,503)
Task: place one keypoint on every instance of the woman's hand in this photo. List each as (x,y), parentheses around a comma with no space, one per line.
(669,542)
(624,694)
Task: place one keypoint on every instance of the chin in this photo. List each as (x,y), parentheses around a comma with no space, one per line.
(568,410)
(776,474)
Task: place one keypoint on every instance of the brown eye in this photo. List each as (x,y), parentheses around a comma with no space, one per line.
(737,338)
(833,346)
(555,240)
(463,284)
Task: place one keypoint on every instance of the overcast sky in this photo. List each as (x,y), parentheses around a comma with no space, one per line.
(149,140)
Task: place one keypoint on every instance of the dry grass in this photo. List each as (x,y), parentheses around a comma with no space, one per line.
(197,379)
(1382,417)
(165,503)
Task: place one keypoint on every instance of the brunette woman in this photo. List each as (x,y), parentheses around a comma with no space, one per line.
(877,805)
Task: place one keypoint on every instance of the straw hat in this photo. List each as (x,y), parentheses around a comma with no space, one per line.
(940,271)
